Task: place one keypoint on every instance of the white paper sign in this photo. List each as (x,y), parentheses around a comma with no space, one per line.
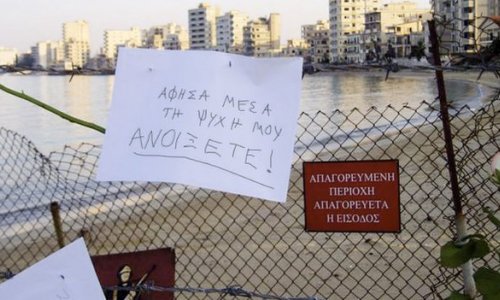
(66,274)
(214,120)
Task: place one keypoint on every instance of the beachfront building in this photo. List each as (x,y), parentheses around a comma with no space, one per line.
(46,54)
(114,39)
(8,56)
(203,27)
(393,23)
(76,43)
(317,36)
(230,31)
(297,47)
(347,18)
(261,37)
(352,48)
(468,26)
(170,36)
(409,39)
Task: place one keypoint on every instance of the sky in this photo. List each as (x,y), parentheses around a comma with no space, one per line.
(23,23)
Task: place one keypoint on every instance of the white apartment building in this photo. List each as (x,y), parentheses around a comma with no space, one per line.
(230,31)
(175,37)
(391,24)
(203,27)
(347,18)
(317,36)
(176,41)
(47,53)
(170,36)
(297,47)
(261,37)
(468,29)
(76,42)
(8,56)
(114,39)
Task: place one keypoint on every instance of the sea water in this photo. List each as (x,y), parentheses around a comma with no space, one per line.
(89,98)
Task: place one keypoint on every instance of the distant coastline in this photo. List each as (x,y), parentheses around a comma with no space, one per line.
(401,67)
(27,71)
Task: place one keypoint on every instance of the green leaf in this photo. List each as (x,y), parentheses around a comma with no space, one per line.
(480,248)
(457,296)
(453,256)
(488,283)
(492,217)
(496,177)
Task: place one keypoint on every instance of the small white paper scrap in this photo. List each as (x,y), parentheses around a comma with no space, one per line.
(209,119)
(66,274)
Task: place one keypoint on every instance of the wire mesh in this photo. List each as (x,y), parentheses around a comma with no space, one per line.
(224,240)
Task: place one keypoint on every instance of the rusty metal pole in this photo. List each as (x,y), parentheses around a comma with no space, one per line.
(56,217)
(467,268)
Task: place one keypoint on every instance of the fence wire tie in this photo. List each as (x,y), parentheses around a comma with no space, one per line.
(237,291)
(6,275)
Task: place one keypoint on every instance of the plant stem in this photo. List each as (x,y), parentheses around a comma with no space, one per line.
(467,268)
(52,109)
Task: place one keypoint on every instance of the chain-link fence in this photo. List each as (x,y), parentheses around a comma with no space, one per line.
(230,244)
(223,240)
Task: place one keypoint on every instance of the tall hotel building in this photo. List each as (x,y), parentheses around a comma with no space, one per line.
(202,27)
(76,42)
(230,31)
(347,20)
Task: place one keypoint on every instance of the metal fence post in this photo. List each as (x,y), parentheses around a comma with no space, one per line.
(461,225)
(56,217)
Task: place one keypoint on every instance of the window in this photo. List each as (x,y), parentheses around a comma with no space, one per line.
(468,10)
(469,35)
